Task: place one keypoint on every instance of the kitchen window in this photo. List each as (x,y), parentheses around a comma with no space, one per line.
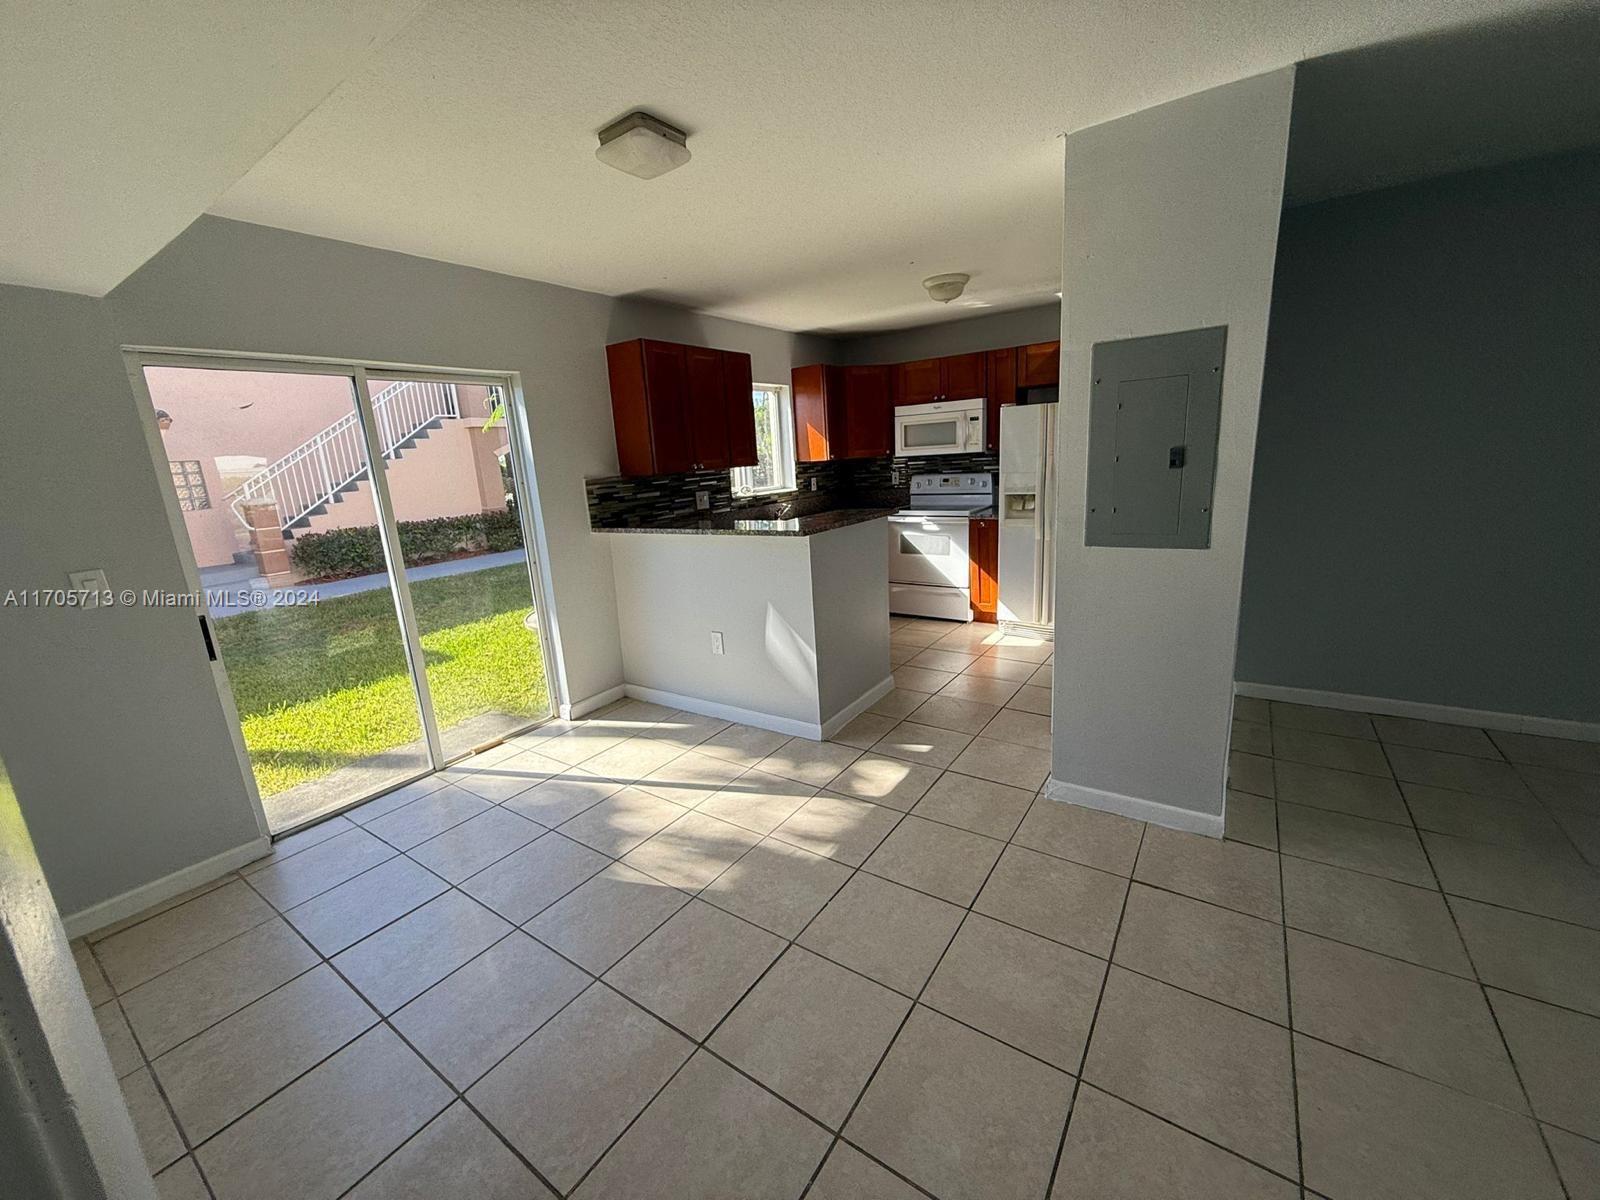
(774,469)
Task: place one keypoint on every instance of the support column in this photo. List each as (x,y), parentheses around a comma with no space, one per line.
(1171,223)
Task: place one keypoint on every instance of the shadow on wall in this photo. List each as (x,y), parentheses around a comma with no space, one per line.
(1492,93)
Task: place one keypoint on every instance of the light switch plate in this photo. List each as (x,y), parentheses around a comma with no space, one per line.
(93,583)
(89,581)
(716,642)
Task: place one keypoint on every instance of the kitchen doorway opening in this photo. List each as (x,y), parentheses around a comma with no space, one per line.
(367,627)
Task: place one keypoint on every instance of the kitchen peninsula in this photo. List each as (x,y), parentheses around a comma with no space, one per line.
(780,623)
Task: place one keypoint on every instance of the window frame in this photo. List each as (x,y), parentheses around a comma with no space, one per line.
(783,447)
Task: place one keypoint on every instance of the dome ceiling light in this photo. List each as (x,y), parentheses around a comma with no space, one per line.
(945,288)
(642,146)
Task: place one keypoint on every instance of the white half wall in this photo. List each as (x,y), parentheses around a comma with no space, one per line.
(804,623)
(1171,223)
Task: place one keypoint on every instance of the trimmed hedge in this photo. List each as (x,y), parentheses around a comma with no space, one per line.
(342,553)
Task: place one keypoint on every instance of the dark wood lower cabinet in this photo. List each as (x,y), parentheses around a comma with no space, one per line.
(983,548)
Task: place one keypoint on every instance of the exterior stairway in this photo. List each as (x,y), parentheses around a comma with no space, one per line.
(333,462)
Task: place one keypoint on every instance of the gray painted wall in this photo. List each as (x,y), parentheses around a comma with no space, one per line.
(1426,518)
(1171,223)
(1015,327)
(109,720)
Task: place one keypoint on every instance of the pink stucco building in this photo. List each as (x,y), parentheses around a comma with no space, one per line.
(283,451)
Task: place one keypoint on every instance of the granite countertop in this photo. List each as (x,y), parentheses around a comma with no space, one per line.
(732,522)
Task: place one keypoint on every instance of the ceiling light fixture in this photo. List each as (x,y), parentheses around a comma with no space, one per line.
(945,288)
(642,146)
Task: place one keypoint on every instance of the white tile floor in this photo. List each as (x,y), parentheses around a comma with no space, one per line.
(650,954)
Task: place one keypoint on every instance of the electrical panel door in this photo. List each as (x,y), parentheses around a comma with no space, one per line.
(1154,412)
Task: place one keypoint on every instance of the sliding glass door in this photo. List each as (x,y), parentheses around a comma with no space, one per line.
(456,500)
(372,626)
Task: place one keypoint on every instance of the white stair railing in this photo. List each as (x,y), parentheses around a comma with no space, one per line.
(320,467)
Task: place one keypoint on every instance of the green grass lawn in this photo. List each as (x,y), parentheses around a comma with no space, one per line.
(325,685)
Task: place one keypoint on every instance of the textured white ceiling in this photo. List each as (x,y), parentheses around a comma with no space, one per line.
(842,150)
(122,120)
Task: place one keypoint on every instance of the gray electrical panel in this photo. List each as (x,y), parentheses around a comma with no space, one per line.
(1154,410)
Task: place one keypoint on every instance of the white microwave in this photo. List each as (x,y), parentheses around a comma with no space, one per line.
(949,427)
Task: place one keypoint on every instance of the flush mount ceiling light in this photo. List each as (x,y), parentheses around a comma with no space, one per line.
(642,146)
(945,288)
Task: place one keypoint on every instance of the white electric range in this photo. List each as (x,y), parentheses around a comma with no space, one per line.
(930,572)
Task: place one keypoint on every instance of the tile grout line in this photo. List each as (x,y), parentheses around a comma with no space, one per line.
(385,1021)
(161,1091)
(1494,1017)
(1094,1019)
(889,1046)
(1288,1002)
(1545,807)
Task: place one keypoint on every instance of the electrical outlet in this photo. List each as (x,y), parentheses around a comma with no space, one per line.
(716,642)
(702,500)
(813,483)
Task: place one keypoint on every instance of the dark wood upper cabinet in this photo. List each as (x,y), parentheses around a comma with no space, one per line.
(675,407)
(869,414)
(819,420)
(738,387)
(920,382)
(842,412)
(649,400)
(929,380)
(707,409)
(1039,365)
(963,376)
(1002,390)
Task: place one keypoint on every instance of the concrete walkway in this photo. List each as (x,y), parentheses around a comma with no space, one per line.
(228,597)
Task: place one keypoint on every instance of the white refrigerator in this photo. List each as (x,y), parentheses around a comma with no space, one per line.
(1027,515)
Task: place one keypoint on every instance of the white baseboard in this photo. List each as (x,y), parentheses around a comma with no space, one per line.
(1140,809)
(858,706)
(792,726)
(727,712)
(1045,632)
(581,708)
(1583,731)
(108,912)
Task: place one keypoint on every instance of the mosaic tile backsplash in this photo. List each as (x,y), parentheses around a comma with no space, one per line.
(618,501)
